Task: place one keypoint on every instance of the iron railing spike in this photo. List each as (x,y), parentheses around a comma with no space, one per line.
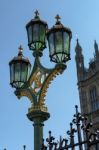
(81,126)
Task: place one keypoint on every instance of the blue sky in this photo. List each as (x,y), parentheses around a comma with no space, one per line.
(82,17)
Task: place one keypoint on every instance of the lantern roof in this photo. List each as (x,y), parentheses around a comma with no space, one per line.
(20,56)
(36,19)
(59,26)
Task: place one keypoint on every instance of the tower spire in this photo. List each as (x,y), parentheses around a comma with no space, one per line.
(96,50)
(78,48)
(79,61)
(95,46)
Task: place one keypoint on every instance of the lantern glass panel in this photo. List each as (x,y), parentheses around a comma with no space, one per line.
(24,72)
(11,73)
(36,37)
(66,43)
(51,44)
(17,72)
(58,42)
(35,32)
(29,70)
(30,34)
(42,33)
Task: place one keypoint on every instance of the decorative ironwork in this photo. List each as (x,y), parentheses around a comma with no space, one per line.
(24,147)
(81,136)
(34,83)
(36,87)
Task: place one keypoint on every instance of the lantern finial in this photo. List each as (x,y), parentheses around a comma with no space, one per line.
(57,18)
(77,40)
(36,14)
(20,50)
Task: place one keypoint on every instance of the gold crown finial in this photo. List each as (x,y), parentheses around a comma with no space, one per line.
(36,13)
(20,48)
(57,18)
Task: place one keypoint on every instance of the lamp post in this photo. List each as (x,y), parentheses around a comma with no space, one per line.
(34,83)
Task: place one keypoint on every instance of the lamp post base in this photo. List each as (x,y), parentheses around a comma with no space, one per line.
(38,117)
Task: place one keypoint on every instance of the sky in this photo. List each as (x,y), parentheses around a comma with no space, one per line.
(82,18)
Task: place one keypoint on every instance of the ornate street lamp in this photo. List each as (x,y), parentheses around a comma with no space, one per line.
(34,84)
(19,70)
(59,42)
(36,31)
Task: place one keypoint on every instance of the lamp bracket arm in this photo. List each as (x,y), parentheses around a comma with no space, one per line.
(59,68)
(26,92)
(44,69)
(36,86)
(36,68)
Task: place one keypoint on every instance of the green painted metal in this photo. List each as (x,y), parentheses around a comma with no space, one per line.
(38,112)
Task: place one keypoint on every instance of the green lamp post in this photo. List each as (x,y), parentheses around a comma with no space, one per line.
(34,83)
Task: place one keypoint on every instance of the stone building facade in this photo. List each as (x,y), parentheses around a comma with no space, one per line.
(88,84)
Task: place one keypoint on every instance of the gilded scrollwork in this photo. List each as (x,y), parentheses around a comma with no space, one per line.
(38,80)
(36,87)
(46,84)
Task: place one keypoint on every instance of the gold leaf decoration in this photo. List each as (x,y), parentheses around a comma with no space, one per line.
(47,83)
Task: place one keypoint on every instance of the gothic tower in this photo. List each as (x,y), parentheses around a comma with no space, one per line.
(88,84)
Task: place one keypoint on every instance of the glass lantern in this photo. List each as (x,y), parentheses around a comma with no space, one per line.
(36,31)
(19,70)
(59,38)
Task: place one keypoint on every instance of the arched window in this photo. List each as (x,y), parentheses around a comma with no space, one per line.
(93,98)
